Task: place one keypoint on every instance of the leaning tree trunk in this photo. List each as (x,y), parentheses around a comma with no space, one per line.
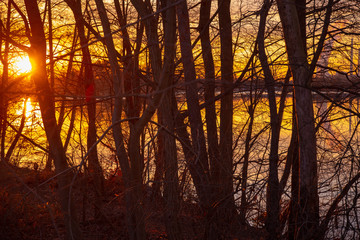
(47,107)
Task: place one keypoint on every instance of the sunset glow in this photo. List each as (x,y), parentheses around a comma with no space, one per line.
(171,119)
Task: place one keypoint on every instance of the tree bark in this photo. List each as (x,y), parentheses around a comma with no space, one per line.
(134,229)
(87,81)
(309,199)
(169,150)
(293,153)
(131,79)
(244,173)
(201,179)
(273,191)
(47,107)
(210,116)
(4,82)
(209,85)
(227,209)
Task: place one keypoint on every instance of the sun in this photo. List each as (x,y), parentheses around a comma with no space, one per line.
(22,65)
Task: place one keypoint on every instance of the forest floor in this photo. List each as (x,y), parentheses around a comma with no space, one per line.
(29,210)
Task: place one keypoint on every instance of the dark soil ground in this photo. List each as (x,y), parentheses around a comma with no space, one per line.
(29,210)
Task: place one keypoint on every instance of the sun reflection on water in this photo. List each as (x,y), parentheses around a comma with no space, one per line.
(32,113)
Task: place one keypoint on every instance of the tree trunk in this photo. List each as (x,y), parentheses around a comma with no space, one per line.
(171,185)
(51,51)
(131,76)
(209,85)
(169,150)
(4,82)
(210,116)
(47,108)
(273,191)
(117,130)
(227,209)
(244,173)
(293,153)
(309,199)
(95,170)
(200,161)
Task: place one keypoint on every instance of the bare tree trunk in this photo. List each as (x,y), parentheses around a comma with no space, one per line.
(293,153)
(309,199)
(87,81)
(117,130)
(169,154)
(209,85)
(273,191)
(244,173)
(227,209)
(135,173)
(61,117)
(131,76)
(4,82)
(160,78)
(51,52)
(132,109)
(159,166)
(210,116)
(200,164)
(68,76)
(169,150)
(47,107)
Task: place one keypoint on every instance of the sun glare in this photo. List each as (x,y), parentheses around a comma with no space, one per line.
(22,65)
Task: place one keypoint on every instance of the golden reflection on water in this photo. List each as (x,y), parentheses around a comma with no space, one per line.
(32,111)
(337,128)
